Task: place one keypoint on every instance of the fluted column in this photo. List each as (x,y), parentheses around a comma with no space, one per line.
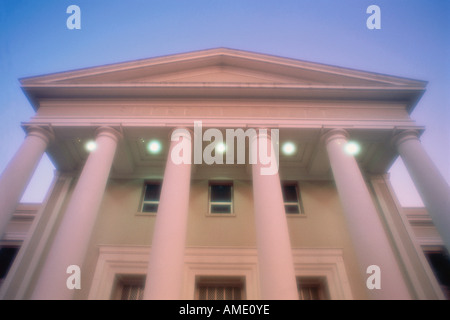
(366,230)
(71,241)
(276,266)
(165,269)
(431,185)
(19,172)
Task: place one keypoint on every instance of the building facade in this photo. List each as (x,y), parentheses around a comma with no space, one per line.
(222,174)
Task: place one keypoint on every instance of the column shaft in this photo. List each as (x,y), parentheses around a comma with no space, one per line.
(366,230)
(71,241)
(431,185)
(276,266)
(165,270)
(19,171)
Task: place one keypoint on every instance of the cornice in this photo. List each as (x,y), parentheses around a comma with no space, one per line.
(116,80)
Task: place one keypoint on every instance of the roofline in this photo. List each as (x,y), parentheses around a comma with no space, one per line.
(220,51)
(39,87)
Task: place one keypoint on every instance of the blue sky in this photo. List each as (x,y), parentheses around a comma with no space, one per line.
(413,42)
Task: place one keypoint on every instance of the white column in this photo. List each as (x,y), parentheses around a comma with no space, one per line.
(431,185)
(276,266)
(71,241)
(165,270)
(19,171)
(366,230)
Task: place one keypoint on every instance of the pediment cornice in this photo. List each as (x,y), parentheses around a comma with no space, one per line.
(223,73)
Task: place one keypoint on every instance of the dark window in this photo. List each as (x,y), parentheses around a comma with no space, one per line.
(129,287)
(312,288)
(291,198)
(7,256)
(221,198)
(151,197)
(220,288)
(440,263)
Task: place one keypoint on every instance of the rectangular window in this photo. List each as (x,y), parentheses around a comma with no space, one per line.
(150,200)
(312,288)
(221,198)
(7,256)
(212,288)
(291,198)
(132,292)
(439,261)
(129,287)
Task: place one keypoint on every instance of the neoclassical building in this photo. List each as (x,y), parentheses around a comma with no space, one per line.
(163,187)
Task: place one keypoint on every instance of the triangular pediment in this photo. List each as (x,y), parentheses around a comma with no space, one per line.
(218,74)
(220,66)
(222,73)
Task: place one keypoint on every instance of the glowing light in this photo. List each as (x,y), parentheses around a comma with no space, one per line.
(352,148)
(90,146)
(288,148)
(154,147)
(221,147)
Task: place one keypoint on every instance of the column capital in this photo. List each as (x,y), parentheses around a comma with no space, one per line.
(405,135)
(43,132)
(335,134)
(111,132)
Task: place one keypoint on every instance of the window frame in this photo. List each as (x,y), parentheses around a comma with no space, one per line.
(8,264)
(122,281)
(235,282)
(230,203)
(439,250)
(143,202)
(317,282)
(298,203)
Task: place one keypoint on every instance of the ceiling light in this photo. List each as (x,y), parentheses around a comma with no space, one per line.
(352,148)
(90,146)
(154,147)
(288,148)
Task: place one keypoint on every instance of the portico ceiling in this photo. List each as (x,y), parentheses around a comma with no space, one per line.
(310,159)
